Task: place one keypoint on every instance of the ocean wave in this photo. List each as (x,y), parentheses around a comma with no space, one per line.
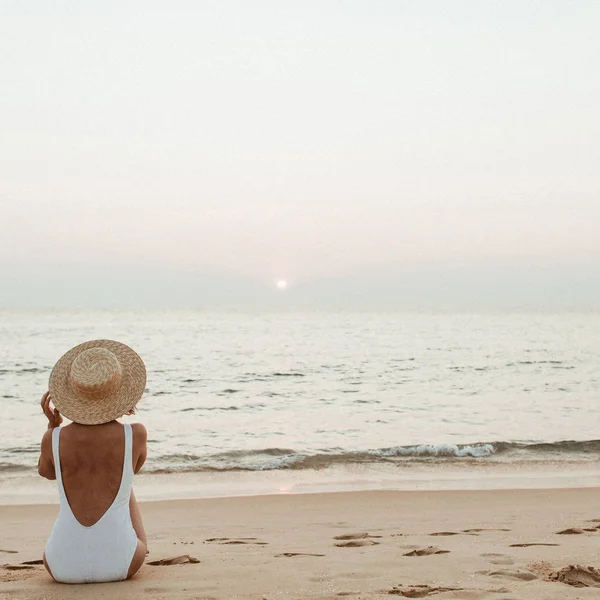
(268,459)
(283,458)
(7,467)
(291,374)
(565,447)
(27,370)
(219,408)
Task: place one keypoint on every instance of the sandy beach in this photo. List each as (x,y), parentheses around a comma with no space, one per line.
(501,545)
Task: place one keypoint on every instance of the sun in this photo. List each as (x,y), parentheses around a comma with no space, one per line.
(282,284)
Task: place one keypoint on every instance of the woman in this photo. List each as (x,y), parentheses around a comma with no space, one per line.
(98,535)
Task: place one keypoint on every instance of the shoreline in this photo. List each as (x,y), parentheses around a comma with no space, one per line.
(32,489)
(487,545)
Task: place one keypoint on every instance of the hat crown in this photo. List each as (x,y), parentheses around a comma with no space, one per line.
(96,372)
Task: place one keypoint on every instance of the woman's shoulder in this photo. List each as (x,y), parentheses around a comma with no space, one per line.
(139,448)
(140,433)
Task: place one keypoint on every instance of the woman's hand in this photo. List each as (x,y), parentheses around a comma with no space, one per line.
(54,417)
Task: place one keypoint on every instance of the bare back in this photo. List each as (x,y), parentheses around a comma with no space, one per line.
(91,459)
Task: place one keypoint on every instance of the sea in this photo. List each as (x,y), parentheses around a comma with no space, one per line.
(284,402)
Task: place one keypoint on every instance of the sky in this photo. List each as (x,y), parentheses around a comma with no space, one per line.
(372,153)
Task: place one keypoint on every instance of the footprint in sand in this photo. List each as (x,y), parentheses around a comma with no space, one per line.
(427,551)
(244,542)
(499,559)
(577,576)
(465,532)
(17,567)
(506,574)
(480,530)
(237,541)
(356,540)
(357,543)
(420,591)
(356,536)
(175,560)
(573,531)
(531,544)
(293,554)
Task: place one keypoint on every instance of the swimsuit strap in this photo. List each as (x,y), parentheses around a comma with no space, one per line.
(56,454)
(127,474)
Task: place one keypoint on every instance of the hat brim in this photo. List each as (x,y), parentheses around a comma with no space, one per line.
(81,409)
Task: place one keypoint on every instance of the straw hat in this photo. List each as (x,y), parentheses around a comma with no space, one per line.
(97,382)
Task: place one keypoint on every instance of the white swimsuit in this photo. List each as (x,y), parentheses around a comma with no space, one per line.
(102,552)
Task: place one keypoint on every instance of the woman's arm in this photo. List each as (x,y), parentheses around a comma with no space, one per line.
(46,460)
(140,436)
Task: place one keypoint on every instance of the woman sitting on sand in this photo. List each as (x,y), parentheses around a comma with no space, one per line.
(98,535)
